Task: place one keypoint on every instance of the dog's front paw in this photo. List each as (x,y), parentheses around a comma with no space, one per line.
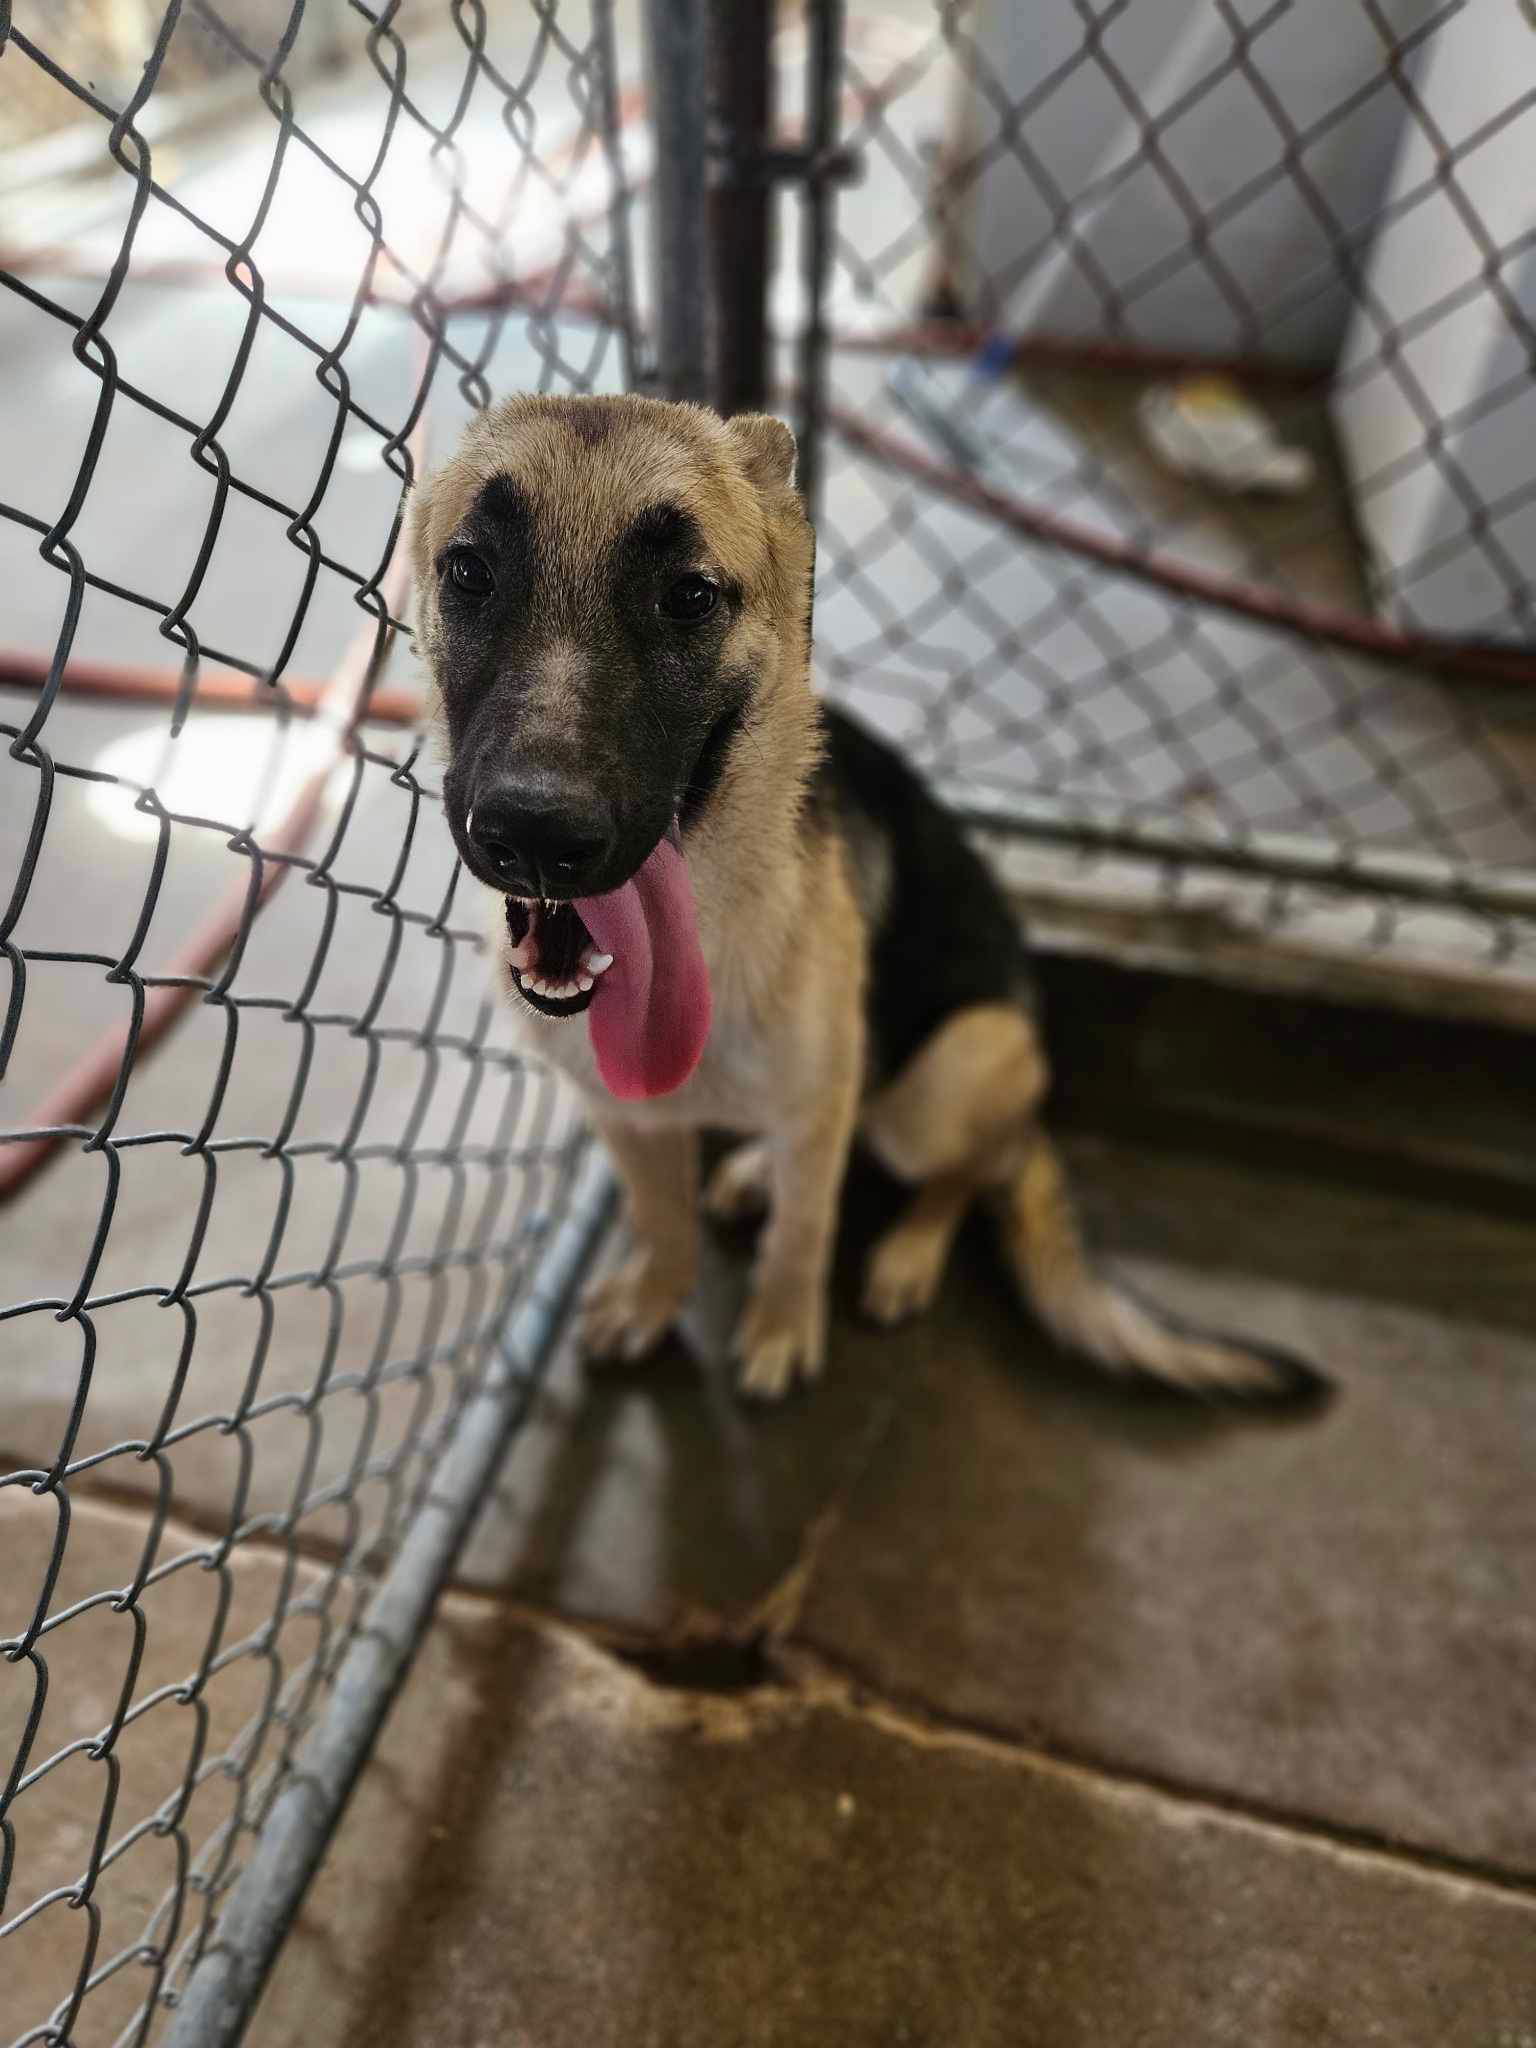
(628,1312)
(781,1338)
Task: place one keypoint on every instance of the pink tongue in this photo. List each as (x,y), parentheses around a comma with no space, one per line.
(649,1015)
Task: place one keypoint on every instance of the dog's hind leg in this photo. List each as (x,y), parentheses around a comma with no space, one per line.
(962,1118)
(948,1123)
(741,1186)
(906,1266)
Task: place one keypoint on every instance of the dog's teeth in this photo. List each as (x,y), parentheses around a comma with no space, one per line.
(556,991)
(595,962)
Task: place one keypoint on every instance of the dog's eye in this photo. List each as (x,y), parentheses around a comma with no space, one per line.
(468,573)
(690,599)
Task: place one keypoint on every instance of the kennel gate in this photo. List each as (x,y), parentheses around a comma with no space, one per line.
(287,1285)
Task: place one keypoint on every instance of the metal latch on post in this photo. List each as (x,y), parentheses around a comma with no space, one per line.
(790,166)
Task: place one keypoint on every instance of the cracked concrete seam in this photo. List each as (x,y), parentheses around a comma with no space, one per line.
(805,1683)
(802,1679)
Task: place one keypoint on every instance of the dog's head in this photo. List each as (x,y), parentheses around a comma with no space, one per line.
(607,589)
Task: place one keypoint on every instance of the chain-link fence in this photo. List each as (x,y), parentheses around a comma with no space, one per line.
(1095,251)
(276,1192)
(285,1221)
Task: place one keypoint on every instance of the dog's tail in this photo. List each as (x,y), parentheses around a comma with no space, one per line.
(1097,1318)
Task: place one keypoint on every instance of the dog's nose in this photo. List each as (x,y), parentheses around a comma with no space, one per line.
(541,839)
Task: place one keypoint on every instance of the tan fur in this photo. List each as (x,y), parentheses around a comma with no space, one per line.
(632,1308)
(741,1186)
(590,487)
(956,1121)
(962,1096)
(784,914)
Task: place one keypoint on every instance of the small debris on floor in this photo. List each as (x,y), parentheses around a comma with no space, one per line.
(1206,427)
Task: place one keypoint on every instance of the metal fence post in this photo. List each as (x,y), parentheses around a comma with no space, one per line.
(676,68)
(741,202)
(824,29)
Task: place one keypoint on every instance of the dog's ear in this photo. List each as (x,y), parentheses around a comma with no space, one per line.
(766,449)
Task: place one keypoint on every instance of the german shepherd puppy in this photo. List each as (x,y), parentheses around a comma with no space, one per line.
(718,903)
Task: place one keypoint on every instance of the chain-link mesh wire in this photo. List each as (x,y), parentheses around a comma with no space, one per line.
(1059,214)
(251,1276)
